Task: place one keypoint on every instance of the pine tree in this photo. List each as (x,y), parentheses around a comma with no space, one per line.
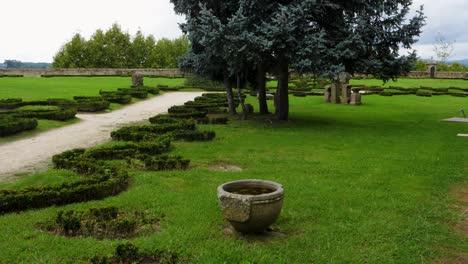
(322,37)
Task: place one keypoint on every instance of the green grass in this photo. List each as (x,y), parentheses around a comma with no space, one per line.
(67,87)
(365,184)
(414,83)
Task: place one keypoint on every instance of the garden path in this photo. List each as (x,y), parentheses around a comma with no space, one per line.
(35,153)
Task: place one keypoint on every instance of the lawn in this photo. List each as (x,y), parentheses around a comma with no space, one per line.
(67,87)
(365,184)
(414,83)
(33,88)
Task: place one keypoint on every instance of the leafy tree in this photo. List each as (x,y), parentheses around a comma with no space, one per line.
(117,49)
(140,51)
(73,55)
(96,50)
(323,37)
(443,48)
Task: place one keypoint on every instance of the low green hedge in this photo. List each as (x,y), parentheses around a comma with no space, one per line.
(189,115)
(92,104)
(129,150)
(94,188)
(137,133)
(181,109)
(139,93)
(116,97)
(163,119)
(10,126)
(424,93)
(159,163)
(189,135)
(219,120)
(10,103)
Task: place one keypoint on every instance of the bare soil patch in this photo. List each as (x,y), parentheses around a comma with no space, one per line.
(224,166)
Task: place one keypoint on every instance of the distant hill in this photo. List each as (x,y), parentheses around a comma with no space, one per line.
(14,64)
(463,61)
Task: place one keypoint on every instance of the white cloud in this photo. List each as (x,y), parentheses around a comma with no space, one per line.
(34,30)
(447,17)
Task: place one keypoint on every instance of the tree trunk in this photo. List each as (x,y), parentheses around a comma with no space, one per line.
(261,86)
(241,99)
(229,93)
(282,104)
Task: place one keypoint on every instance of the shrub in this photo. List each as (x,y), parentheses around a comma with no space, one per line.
(152,90)
(10,126)
(424,93)
(386,93)
(129,150)
(219,120)
(164,119)
(299,94)
(165,88)
(94,188)
(128,253)
(197,81)
(92,105)
(139,93)
(188,135)
(10,103)
(458,94)
(138,133)
(189,115)
(249,108)
(100,223)
(116,97)
(160,163)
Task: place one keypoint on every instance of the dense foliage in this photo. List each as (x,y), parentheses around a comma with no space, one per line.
(236,39)
(117,49)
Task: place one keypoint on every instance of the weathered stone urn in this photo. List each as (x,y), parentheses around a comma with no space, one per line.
(251,205)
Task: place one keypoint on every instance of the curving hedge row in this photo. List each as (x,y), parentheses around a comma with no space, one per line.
(91,103)
(101,179)
(11,126)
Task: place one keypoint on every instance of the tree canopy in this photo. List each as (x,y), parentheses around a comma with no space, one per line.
(117,49)
(324,37)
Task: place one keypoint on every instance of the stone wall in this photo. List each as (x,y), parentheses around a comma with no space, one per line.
(91,72)
(438,74)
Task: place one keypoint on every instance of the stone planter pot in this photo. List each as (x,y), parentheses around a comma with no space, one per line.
(251,205)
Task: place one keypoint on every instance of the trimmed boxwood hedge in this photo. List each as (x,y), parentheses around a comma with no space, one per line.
(116,97)
(88,189)
(187,135)
(139,93)
(66,110)
(92,104)
(137,133)
(100,178)
(10,103)
(129,150)
(159,163)
(424,93)
(10,126)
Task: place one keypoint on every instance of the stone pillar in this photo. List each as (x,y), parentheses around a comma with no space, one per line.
(356,99)
(137,80)
(327,93)
(345,93)
(335,93)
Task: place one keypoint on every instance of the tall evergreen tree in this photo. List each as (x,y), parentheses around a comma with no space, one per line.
(323,37)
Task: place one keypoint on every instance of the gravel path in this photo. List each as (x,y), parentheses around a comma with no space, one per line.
(35,153)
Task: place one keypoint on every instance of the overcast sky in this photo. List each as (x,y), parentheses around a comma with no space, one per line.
(32,30)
